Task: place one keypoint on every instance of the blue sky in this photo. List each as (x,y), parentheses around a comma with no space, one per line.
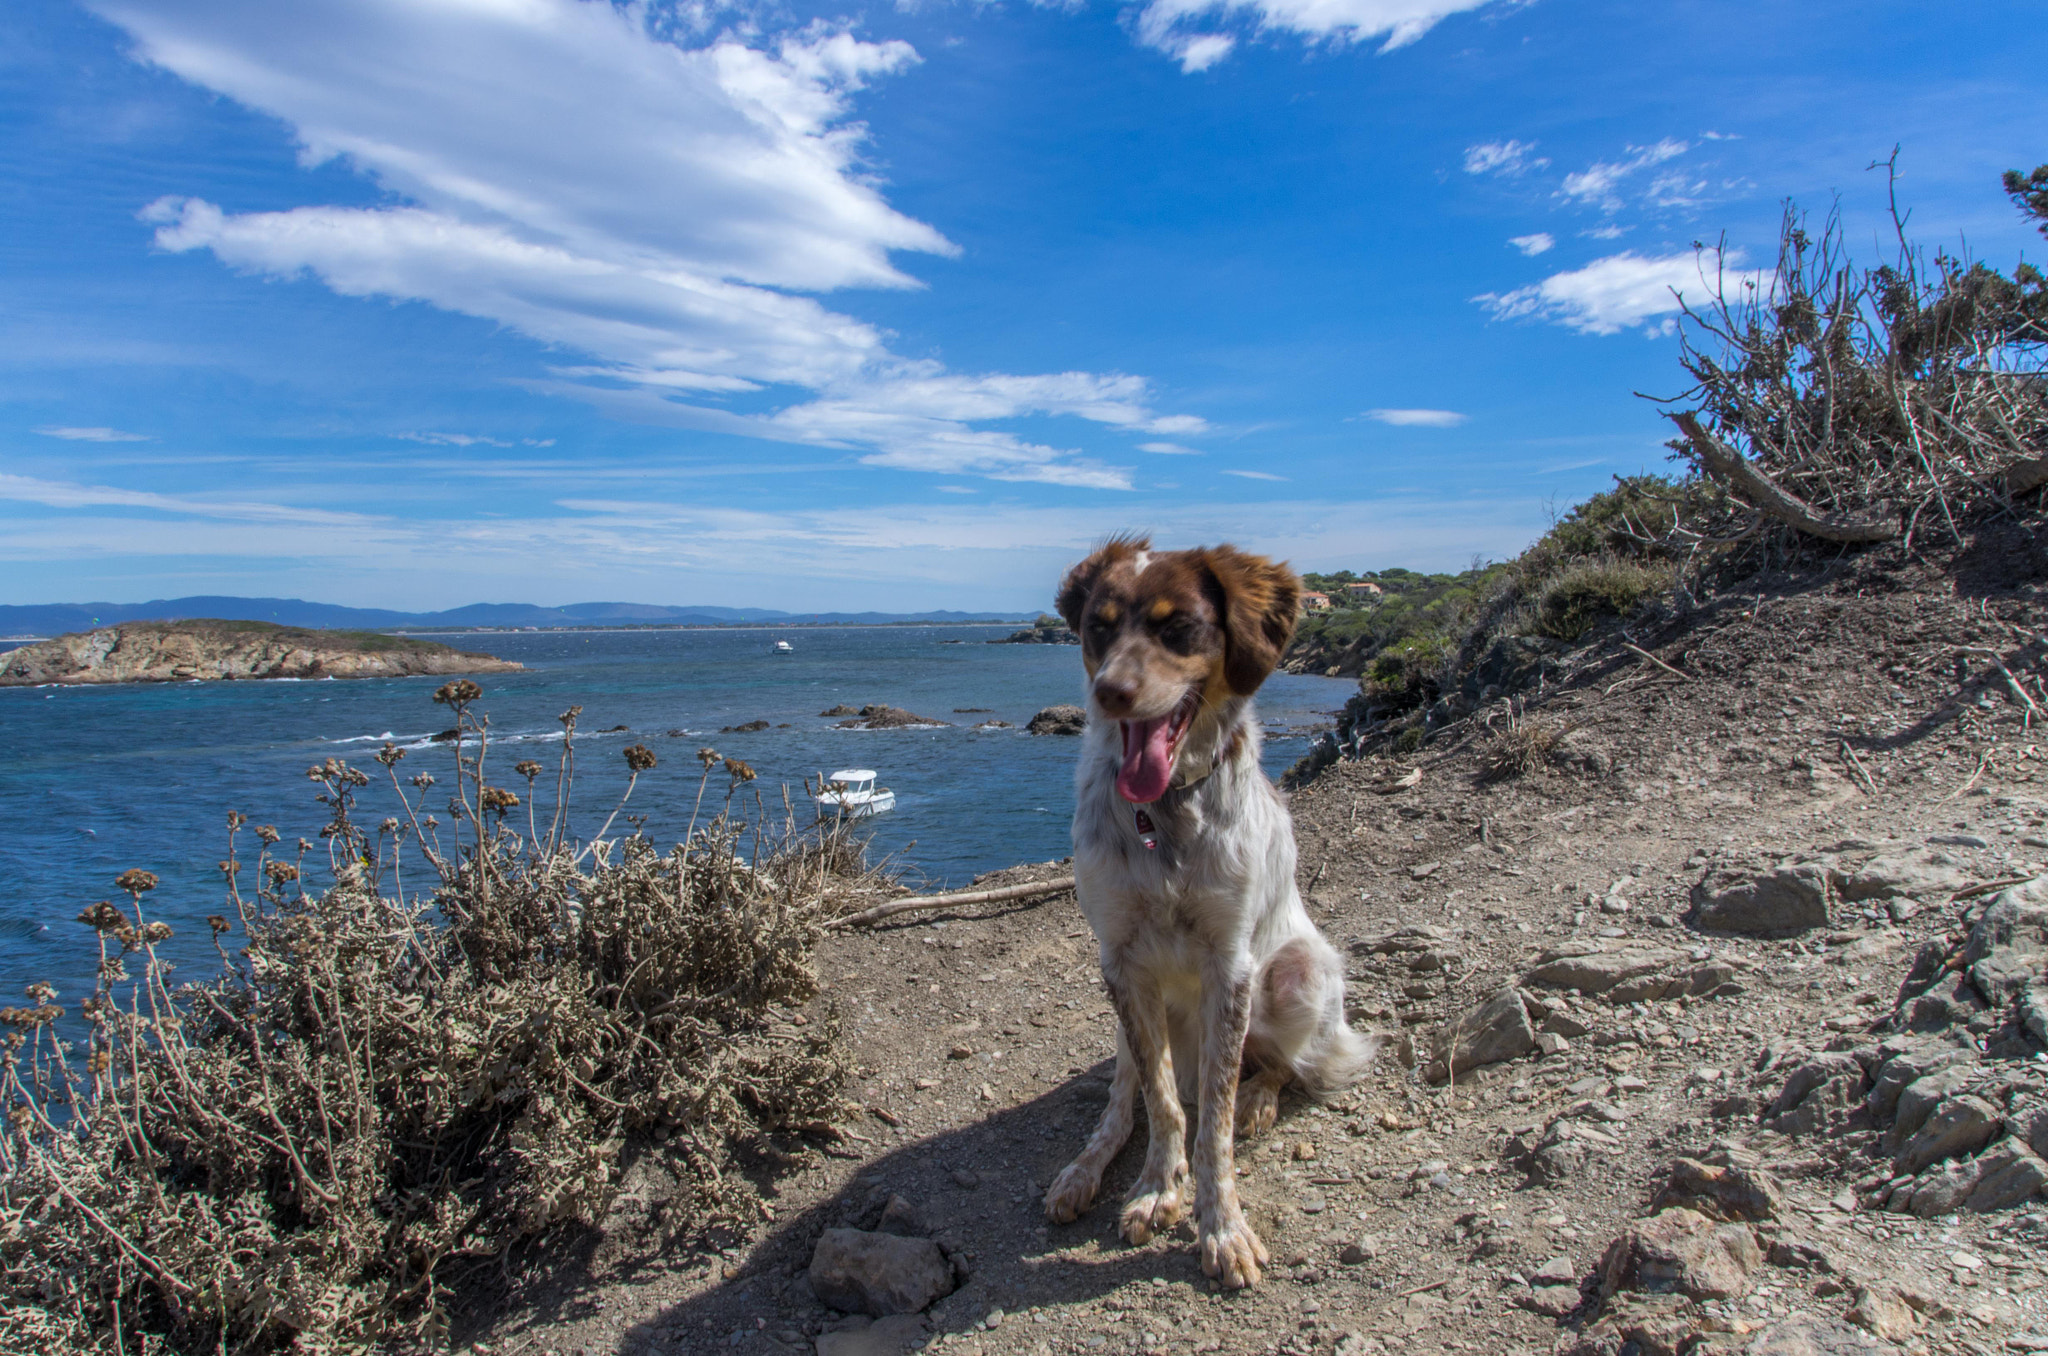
(421,302)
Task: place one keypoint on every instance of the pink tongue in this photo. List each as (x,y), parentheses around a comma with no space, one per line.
(1148,760)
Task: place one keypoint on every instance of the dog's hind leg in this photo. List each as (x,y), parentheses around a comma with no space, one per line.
(1298,1026)
(1073,1191)
(1157,1198)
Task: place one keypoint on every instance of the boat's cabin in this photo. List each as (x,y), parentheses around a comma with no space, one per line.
(852,780)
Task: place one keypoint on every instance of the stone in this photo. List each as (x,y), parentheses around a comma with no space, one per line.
(1959,1127)
(1815,1337)
(1884,1313)
(1919,1098)
(1906,1064)
(1815,1092)
(1561,1023)
(2008,944)
(1779,903)
(1941,1190)
(1921,875)
(1728,1190)
(1601,971)
(1637,1325)
(878,1274)
(1359,1250)
(890,1336)
(1682,1250)
(901,1218)
(1552,1301)
(2009,1174)
(880,717)
(1558,1270)
(1057,720)
(1495,1030)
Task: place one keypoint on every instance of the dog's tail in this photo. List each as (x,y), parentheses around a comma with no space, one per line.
(1335,1059)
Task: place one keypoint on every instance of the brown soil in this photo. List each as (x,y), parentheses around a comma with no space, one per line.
(984,1040)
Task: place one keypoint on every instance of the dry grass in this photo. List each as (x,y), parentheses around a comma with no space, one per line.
(382,1089)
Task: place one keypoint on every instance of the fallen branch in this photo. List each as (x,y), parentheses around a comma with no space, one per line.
(1749,480)
(921,902)
(1989,887)
(2012,684)
(1862,773)
(1654,660)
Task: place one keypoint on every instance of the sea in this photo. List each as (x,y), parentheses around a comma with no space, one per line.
(96,780)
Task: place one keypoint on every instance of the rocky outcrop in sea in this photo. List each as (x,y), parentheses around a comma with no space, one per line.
(200,650)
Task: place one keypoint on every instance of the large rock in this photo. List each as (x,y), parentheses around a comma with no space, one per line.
(1918,1099)
(1817,1094)
(1684,1251)
(1735,1187)
(1940,1190)
(878,1274)
(1780,903)
(1922,875)
(1958,1128)
(1884,1313)
(879,717)
(1058,720)
(2008,946)
(1636,1325)
(2008,1174)
(1907,1061)
(1601,972)
(1495,1030)
(1815,1337)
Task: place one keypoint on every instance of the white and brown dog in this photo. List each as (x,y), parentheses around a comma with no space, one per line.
(1184,857)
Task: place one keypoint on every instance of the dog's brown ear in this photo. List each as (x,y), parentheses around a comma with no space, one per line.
(1080,581)
(1260,605)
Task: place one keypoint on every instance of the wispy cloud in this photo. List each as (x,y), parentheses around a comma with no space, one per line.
(1170,449)
(69,495)
(1532,245)
(1618,292)
(1190,30)
(653,207)
(1599,184)
(454,439)
(1510,158)
(1255,475)
(1417,418)
(91,435)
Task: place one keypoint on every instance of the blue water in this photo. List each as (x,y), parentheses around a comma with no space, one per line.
(96,780)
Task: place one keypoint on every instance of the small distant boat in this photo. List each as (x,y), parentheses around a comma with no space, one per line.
(782,647)
(851,793)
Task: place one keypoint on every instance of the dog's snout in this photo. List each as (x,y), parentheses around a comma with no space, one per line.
(1115,695)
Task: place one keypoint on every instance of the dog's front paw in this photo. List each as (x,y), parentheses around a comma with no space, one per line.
(1153,1207)
(1232,1253)
(1072,1192)
(1258,1106)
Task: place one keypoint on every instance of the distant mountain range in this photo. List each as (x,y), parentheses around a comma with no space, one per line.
(49,619)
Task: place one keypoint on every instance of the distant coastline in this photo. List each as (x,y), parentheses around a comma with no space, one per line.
(211,650)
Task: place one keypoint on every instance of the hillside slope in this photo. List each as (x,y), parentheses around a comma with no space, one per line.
(1584,851)
(157,652)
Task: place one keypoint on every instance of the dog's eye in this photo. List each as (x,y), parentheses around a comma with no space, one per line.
(1177,632)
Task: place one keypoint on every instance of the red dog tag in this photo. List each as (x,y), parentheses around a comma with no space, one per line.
(1146,833)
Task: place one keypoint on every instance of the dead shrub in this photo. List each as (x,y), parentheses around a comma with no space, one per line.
(381,1089)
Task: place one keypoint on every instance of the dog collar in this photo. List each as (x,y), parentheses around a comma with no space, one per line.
(1148,832)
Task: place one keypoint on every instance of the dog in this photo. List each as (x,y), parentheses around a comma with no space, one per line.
(1225,993)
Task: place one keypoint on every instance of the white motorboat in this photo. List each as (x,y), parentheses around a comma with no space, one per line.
(782,647)
(851,793)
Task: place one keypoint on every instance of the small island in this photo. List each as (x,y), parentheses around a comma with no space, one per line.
(203,649)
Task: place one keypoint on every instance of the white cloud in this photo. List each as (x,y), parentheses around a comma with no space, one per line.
(1503,157)
(91,435)
(1185,29)
(1255,475)
(1614,293)
(1608,232)
(1169,449)
(619,198)
(1599,184)
(1417,418)
(68,495)
(463,440)
(1533,245)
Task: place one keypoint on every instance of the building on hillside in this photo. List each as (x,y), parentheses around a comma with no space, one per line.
(1362,592)
(1311,601)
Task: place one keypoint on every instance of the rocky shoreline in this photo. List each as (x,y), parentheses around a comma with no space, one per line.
(220,651)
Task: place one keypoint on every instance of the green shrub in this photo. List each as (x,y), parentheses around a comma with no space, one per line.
(1585,592)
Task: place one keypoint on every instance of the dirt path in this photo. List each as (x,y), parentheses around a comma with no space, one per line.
(1403,1217)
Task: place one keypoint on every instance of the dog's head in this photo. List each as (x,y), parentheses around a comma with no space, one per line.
(1168,636)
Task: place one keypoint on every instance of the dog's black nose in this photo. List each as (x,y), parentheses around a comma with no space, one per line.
(1115,698)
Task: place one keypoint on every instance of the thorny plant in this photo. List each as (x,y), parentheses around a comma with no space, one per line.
(383,1090)
(1908,391)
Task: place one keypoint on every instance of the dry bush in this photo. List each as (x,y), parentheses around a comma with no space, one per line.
(1521,746)
(1579,594)
(381,1090)
(1895,397)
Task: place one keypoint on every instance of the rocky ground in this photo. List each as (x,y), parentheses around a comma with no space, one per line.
(1715,1028)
